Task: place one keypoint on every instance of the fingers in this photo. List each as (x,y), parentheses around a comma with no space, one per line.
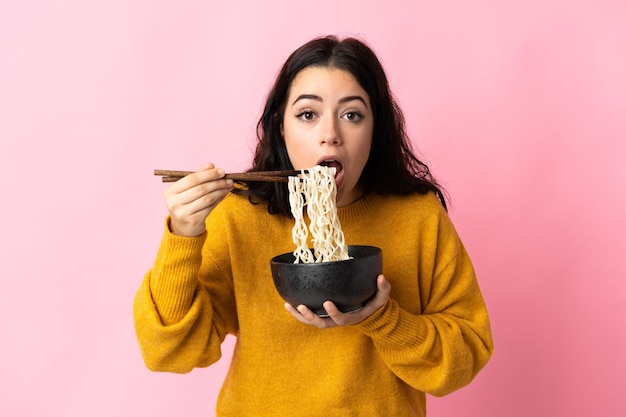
(191,199)
(304,315)
(338,318)
(199,183)
(200,190)
(346,319)
(307,316)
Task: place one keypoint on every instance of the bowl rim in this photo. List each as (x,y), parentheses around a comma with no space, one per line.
(375,252)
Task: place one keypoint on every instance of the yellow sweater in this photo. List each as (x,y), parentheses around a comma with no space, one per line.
(433,336)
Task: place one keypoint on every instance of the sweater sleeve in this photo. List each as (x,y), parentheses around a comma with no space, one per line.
(177,320)
(443,348)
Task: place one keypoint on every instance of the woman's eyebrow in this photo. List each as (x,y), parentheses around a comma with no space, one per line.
(318,98)
(307,96)
(350,98)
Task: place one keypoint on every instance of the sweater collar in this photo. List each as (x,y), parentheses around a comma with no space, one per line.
(357,209)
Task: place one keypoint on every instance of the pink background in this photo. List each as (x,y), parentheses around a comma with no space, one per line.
(518,106)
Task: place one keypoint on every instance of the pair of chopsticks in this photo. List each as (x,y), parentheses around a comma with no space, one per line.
(271,176)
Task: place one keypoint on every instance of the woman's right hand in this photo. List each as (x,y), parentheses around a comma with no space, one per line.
(192,198)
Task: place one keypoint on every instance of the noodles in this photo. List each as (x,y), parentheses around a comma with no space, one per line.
(318,191)
(300,232)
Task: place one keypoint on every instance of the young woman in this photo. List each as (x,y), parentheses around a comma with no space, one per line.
(425,331)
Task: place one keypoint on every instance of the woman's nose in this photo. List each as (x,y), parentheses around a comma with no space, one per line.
(330,132)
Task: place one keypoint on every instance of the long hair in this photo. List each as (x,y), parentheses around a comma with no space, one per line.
(392,167)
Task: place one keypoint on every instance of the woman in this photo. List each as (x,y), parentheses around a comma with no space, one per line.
(425,331)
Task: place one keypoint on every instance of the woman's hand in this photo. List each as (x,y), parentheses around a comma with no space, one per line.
(192,198)
(336,317)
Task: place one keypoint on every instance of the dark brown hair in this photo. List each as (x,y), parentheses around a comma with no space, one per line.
(392,168)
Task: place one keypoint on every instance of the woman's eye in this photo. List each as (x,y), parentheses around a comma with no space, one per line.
(306,115)
(353,116)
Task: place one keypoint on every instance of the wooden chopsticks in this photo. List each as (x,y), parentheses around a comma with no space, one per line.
(271,176)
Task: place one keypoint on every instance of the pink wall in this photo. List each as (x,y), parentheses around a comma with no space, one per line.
(517,105)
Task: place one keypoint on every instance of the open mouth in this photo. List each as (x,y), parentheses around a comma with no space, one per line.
(332,163)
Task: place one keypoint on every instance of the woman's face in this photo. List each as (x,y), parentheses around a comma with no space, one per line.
(328,120)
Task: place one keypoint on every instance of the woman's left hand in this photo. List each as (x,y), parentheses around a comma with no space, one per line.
(336,317)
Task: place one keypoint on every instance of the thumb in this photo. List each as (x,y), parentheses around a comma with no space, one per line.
(208,165)
(383,285)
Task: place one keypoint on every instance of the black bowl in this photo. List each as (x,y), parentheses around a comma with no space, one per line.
(349,284)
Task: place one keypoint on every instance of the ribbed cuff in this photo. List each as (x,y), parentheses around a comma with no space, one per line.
(175,274)
(392,326)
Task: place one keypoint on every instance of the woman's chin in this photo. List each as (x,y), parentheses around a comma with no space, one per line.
(345,199)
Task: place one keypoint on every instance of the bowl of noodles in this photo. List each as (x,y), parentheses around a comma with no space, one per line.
(348,283)
(331,270)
